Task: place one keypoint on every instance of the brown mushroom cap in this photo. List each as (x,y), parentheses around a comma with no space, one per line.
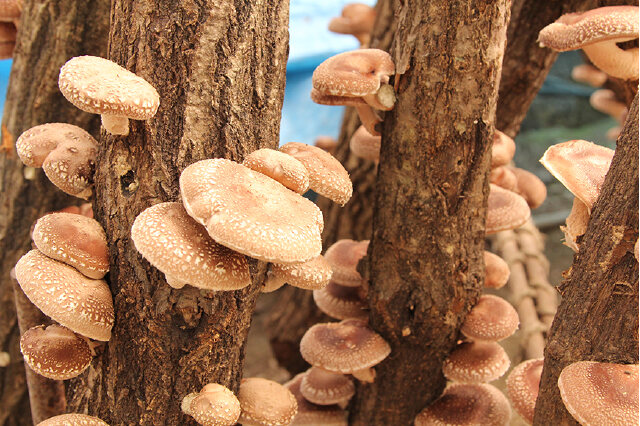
(588,74)
(476,362)
(76,240)
(250,212)
(265,402)
(323,387)
(73,420)
(215,405)
(522,387)
(502,149)
(64,294)
(326,143)
(327,176)
(181,248)
(10,10)
(343,256)
(8,32)
(505,210)
(365,145)
(341,302)
(504,178)
(606,101)
(66,153)
(312,275)
(491,319)
(281,167)
(581,167)
(530,187)
(55,352)
(312,414)
(496,270)
(332,100)
(467,404)
(344,347)
(356,18)
(600,393)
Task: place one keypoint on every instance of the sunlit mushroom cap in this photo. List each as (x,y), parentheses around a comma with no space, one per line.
(491,319)
(74,239)
(356,18)
(312,275)
(100,86)
(496,270)
(467,404)
(65,152)
(502,149)
(341,302)
(327,176)
(323,387)
(530,187)
(281,167)
(476,362)
(505,210)
(55,352)
(250,212)
(343,256)
(343,347)
(365,145)
(265,402)
(311,414)
(64,294)
(73,420)
(215,405)
(600,393)
(181,248)
(581,166)
(522,387)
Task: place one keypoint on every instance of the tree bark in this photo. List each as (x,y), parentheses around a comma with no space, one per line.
(51,32)
(598,317)
(219,67)
(425,261)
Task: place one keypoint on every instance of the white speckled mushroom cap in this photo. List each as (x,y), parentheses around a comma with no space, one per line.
(312,414)
(476,362)
(505,210)
(215,405)
(73,420)
(64,294)
(279,166)
(365,145)
(343,256)
(181,248)
(100,86)
(496,270)
(491,319)
(581,166)
(327,176)
(251,213)
(522,387)
(312,275)
(265,402)
(600,393)
(55,352)
(76,240)
(342,302)
(323,387)
(343,347)
(66,153)
(467,404)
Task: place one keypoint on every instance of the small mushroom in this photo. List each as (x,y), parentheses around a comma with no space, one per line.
(496,271)
(215,405)
(491,319)
(530,187)
(356,19)
(265,402)
(326,143)
(342,302)
(365,145)
(280,167)
(343,256)
(505,210)
(313,414)
(522,387)
(502,149)
(588,74)
(323,387)
(504,178)
(476,362)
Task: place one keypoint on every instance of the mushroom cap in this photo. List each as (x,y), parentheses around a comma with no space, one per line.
(8,32)
(341,302)
(606,101)
(10,10)
(504,178)
(55,352)
(331,100)
(323,387)
(327,176)
(66,153)
(503,149)
(491,319)
(281,167)
(215,405)
(522,387)
(505,210)
(356,18)
(530,187)
(100,86)
(580,166)
(250,212)
(496,270)
(365,145)
(181,248)
(585,73)
(73,420)
(600,393)
(343,256)
(354,74)
(326,143)
(343,347)
(265,402)
(312,275)
(64,294)
(467,404)
(312,414)
(74,239)
(476,362)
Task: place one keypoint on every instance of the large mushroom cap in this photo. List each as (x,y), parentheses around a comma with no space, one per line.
(64,294)
(265,402)
(505,210)
(281,167)
(491,319)
(522,387)
(181,248)
(250,212)
(73,420)
(600,393)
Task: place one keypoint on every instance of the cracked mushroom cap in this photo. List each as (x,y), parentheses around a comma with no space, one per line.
(342,302)
(600,393)
(66,153)
(530,187)
(467,404)
(251,213)
(580,166)
(496,270)
(522,387)
(365,145)
(55,352)
(323,387)
(476,362)
(505,210)
(74,239)
(73,420)
(265,402)
(68,297)
(215,405)
(343,256)
(281,167)
(312,275)
(327,176)
(502,150)
(491,319)
(313,414)
(344,347)
(181,248)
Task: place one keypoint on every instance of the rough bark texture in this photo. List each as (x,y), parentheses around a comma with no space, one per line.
(425,259)
(598,317)
(51,32)
(219,67)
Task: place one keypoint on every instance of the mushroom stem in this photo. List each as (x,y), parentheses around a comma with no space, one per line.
(175,282)
(384,99)
(115,124)
(616,62)
(368,118)
(367,375)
